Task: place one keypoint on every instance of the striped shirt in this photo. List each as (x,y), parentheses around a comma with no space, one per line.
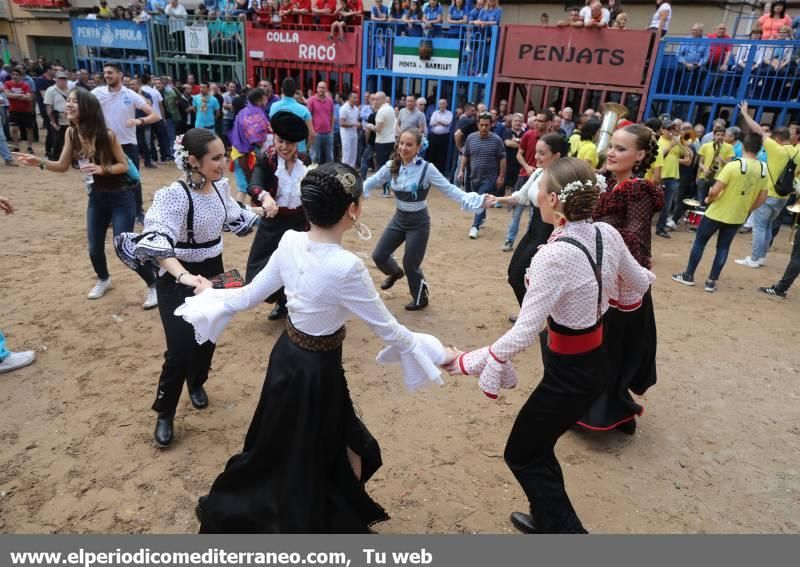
(484,155)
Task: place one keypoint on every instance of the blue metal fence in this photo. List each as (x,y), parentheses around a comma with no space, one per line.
(98,42)
(699,79)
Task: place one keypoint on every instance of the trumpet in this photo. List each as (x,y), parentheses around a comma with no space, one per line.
(612,113)
(689,137)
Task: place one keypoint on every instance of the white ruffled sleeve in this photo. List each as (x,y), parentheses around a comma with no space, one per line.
(211,311)
(419,355)
(162,225)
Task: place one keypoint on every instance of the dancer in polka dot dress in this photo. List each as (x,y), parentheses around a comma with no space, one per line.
(630,324)
(183,236)
(570,283)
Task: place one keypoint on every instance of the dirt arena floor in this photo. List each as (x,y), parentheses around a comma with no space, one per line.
(716,450)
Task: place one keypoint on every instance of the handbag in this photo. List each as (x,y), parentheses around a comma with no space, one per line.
(132,176)
(227,280)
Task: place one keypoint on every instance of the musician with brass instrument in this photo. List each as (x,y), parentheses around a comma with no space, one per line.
(713,156)
(674,154)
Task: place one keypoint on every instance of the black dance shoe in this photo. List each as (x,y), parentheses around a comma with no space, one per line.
(416,306)
(523,523)
(279,312)
(390,280)
(199,398)
(163,432)
(627,427)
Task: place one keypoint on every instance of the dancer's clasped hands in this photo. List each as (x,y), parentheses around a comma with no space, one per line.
(450,364)
(488,201)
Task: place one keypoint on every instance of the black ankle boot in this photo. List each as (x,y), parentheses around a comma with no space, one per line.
(163,432)
(199,398)
(627,427)
(421,301)
(523,523)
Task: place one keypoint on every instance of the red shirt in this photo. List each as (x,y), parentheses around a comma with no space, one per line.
(326,19)
(195,90)
(358,7)
(303,5)
(719,52)
(16,104)
(528,146)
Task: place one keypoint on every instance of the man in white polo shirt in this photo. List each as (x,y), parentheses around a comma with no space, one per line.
(384,127)
(119,110)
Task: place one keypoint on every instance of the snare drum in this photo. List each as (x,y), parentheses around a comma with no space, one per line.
(693,218)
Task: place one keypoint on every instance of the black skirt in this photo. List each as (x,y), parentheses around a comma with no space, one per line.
(293,475)
(537,234)
(630,342)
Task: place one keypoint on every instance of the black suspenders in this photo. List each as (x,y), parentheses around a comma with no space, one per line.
(596,266)
(191,243)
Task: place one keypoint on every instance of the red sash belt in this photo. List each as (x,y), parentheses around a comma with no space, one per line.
(574,344)
(620,307)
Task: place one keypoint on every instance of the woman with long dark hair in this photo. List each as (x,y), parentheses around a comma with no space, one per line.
(109,183)
(549,149)
(411,177)
(630,324)
(307,455)
(183,237)
(570,283)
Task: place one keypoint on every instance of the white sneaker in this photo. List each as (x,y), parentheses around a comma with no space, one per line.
(473,233)
(749,262)
(671,224)
(17,360)
(99,289)
(152,298)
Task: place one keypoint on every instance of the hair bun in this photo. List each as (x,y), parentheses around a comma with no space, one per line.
(327,191)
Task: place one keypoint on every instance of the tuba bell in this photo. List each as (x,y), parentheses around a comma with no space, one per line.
(612,113)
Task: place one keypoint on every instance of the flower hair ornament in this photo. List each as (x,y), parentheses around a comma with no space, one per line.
(349,182)
(182,163)
(577,186)
(180,153)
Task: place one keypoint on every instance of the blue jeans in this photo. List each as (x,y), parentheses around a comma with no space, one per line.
(516,216)
(3,352)
(481,188)
(322,149)
(670,190)
(117,208)
(763,217)
(367,160)
(171,133)
(705,231)
(4,151)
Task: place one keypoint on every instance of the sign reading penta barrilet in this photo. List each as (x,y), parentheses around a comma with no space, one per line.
(301,46)
(575,55)
(443,61)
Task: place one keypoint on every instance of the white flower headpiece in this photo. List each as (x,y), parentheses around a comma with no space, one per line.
(180,153)
(576,186)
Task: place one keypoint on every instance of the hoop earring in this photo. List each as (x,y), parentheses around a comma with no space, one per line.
(195,185)
(362,230)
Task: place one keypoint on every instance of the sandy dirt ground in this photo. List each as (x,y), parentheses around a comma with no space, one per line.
(716,451)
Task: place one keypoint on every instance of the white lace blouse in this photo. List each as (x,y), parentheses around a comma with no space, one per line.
(289,184)
(165,223)
(324,285)
(561,284)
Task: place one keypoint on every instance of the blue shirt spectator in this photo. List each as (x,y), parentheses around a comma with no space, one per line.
(379,11)
(206,108)
(211,5)
(692,54)
(456,14)
(474,14)
(289,104)
(154,6)
(491,15)
(432,12)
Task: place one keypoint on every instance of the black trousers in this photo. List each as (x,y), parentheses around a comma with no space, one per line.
(184,359)
(268,236)
(537,235)
(382,154)
(437,151)
(568,388)
(57,142)
(413,229)
(792,269)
